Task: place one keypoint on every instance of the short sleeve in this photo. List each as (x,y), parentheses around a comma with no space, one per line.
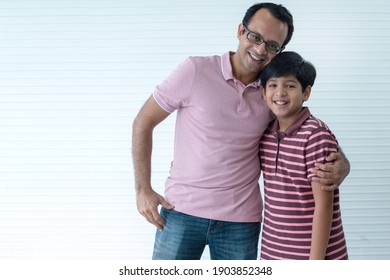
(321,143)
(175,90)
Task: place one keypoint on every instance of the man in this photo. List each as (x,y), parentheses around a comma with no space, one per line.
(212,195)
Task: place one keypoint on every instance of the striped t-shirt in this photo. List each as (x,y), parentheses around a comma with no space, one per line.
(286,158)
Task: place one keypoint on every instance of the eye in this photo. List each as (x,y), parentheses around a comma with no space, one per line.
(272,85)
(256,38)
(273,47)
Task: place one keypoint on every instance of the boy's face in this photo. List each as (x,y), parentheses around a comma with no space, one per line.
(285,96)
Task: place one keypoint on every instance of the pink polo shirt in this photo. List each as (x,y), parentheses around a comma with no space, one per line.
(219,123)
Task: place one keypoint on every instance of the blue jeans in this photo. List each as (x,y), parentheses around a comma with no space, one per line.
(184,237)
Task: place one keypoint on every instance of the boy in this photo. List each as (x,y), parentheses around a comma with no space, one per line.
(300,220)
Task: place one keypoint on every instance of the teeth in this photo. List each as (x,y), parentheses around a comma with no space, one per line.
(280,102)
(256,58)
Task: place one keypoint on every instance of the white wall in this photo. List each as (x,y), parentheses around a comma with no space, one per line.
(73,75)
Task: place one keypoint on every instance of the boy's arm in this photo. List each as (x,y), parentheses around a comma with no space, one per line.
(331,175)
(322,222)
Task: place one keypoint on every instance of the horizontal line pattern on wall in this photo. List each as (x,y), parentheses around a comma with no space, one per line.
(351,95)
(73,75)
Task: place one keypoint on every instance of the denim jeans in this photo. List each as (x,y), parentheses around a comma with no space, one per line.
(184,237)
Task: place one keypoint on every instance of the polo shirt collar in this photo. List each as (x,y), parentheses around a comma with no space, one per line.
(227,69)
(293,129)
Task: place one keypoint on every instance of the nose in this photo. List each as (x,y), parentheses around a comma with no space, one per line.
(260,49)
(280,91)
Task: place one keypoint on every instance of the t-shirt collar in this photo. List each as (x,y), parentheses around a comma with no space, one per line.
(227,69)
(293,129)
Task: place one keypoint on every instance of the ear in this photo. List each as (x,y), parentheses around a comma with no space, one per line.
(306,93)
(263,92)
(240,30)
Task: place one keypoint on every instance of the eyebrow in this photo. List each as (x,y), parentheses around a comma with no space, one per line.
(289,80)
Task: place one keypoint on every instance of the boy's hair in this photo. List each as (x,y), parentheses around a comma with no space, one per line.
(289,63)
(278,11)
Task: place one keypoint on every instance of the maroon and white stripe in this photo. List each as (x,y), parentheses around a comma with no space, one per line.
(289,203)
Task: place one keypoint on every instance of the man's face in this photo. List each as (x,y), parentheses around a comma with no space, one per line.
(254,57)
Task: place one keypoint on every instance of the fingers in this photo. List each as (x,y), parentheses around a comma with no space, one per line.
(330,174)
(333,157)
(166,205)
(326,184)
(326,176)
(323,169)
(322,181)
(321,176)
(148,207)
(153,217)
(329,188)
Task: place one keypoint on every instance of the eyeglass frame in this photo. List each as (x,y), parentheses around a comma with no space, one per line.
(261,41)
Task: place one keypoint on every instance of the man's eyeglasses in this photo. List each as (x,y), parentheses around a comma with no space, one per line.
(258,40)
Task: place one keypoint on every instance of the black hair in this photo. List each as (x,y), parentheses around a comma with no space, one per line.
(278,11)
(289,63)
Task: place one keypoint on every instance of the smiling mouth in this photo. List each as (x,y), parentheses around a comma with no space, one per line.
(257,58)
(280,102)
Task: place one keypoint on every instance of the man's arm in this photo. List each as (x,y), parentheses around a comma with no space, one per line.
(331,175)
(150,115)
